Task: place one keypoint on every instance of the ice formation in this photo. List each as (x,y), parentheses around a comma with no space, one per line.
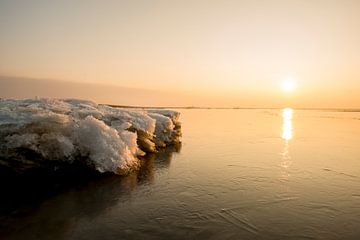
(45,132)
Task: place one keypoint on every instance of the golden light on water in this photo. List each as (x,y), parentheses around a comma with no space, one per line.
(287,129)
(287,135)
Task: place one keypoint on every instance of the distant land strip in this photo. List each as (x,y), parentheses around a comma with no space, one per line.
(240,108)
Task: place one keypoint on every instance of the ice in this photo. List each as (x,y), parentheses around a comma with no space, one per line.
(168,127)
(47,132)
(103,146)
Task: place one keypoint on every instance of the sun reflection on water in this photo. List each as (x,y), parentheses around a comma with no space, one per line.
(287,132)
(287,135)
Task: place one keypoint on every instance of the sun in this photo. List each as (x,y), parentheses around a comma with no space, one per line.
(289,85)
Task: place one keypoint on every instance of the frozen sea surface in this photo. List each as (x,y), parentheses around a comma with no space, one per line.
(239,174)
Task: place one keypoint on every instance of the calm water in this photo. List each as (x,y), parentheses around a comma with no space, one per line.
(239,174)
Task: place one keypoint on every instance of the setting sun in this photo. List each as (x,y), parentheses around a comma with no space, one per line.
(289,85)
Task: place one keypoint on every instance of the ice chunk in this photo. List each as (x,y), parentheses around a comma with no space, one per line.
(37,132)
(168,126)
(103,146)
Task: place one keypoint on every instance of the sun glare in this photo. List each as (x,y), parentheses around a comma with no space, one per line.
(287,133)
(288,85)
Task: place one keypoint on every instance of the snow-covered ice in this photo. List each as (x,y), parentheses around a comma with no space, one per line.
(37,132)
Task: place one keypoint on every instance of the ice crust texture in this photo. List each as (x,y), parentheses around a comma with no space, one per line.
(38,132)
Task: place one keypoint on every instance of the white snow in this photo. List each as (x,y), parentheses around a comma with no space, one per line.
(108,139)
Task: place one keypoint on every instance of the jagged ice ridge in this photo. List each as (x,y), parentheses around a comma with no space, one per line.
(45,132)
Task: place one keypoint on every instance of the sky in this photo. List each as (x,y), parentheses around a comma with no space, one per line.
(216,53)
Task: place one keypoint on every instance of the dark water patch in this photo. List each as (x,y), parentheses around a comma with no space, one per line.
(50,203)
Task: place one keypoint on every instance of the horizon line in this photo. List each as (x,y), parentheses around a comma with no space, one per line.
(234,108)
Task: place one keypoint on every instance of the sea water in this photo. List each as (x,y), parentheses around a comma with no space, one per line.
(238,174)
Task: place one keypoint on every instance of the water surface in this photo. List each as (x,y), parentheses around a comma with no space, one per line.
(239,174)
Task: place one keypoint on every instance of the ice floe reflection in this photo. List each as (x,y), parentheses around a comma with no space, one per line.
(76,199)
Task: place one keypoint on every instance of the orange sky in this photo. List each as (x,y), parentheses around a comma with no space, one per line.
(199,53)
